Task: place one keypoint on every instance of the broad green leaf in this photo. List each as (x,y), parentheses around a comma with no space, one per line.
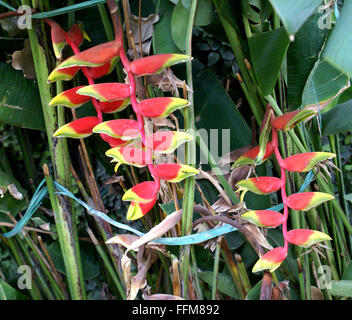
(204,13)
(341,288)
(338,119)
(347,274)
(268,50)
(339,45)
(20,103)
(294,13)
(301,57)
(210,114)
(327,80)
(224,284)
(89,265)
(179,23)
(162,38)
(9,293)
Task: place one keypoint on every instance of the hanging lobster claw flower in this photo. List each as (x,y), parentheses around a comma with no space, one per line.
(271,260)
(124,129)
(260,185)
(137,210)
(156,63)
(143,192)
(289,120)
(106,91)
(305,201)
(305,237)
(58,38)
(114,106)
(106,68)
(173,172)
(248,157)
(160,107)
(127,155)
(80,128)
(77,34)
(92,57)
(63,74)
(114,142)
(69,98)
(167,141)
(264,218)
(303,162)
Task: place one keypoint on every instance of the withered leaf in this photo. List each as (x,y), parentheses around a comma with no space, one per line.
(23,60)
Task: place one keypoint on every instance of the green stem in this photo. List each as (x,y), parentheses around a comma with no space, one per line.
(60,160)
(189,126)
(216,270)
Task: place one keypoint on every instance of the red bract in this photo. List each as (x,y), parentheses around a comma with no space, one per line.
(304,162)
(143,192)
(106,91)
(106,68)
(155,64)
(271,260)
(58,38)
(80,128)
(305,237)
(114,142)
(93,57)
(248,157)
(124,129)
(69,98)
(160,107)
(307,200)
(114,106)
(260,185)
(289,120)
(264,218)
(63,74)
(167,141)
(173,172)
(137,210)
(76,34)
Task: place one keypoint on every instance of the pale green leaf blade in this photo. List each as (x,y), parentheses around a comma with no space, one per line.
(339,45)
(294,13)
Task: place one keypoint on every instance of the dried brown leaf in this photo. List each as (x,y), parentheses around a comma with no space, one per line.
(23,60)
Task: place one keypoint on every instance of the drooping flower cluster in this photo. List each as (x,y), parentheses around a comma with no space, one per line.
(304,201)
(127,137)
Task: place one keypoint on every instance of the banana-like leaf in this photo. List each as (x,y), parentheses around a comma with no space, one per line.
(339,46)
(294,13)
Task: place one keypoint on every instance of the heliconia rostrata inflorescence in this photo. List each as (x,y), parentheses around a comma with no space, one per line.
(131,146)
(265,185)
(128,140)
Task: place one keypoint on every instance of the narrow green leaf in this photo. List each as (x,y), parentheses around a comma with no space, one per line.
(294,13)
(339,45)
(268,50)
